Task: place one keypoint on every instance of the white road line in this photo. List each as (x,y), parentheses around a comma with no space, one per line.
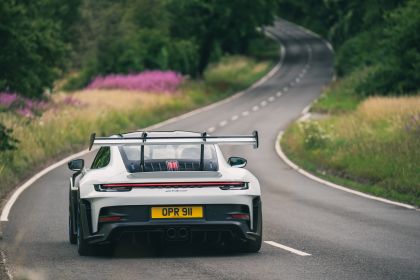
(223,123)
(279,93)
(282,155)
(287,248)
(263,103)
(211,129)
(291,84)
(271,99)
(297,80)
(304,117)
(245,113)
(285,89)
(234,118)
(255,108)
(329,46)
(306,109)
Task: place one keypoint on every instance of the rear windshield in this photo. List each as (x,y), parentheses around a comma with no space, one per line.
(169,158)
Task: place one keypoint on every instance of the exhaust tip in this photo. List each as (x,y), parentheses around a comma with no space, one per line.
(171,233)
(183,233)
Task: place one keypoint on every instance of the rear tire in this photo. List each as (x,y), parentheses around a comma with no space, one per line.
(253,246)
(71,227)
(83,247)
(72,236)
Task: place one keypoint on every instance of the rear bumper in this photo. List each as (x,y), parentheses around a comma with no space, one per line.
(117,232)
(138,222)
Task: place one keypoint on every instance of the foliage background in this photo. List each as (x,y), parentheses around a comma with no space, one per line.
(380,35)
(46,40)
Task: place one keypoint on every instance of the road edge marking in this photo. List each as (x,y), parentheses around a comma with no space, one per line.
(291,164)
(287,248)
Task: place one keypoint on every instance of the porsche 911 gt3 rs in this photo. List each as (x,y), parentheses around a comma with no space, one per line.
(167,186)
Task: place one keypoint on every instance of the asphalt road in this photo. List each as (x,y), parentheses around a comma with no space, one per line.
(347,236)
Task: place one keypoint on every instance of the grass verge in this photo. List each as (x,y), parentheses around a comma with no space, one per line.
(65,128)
(341,96)
(370,145)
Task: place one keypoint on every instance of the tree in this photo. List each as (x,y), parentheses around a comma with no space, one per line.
(228,25)
(32,47)
(400,71)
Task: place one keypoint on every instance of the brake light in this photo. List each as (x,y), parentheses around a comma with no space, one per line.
(175,184)
(225,185)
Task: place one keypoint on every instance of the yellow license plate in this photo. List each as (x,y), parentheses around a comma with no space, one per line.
(177,212)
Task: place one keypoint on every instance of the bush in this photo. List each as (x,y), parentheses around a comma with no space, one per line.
(315,136)
(399,70)
(263,48)
(7,142)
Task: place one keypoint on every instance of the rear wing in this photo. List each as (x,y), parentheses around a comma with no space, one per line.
(204,139)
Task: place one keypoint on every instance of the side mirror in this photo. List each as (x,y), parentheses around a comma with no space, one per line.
(76,164)
(237,162)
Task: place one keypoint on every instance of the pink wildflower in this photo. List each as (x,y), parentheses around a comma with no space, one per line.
(7,99)
(150,81)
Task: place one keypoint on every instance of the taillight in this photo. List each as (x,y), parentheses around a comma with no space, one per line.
(123,187)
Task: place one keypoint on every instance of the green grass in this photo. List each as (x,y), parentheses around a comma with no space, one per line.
(373,148)
(341,96)
(65,129)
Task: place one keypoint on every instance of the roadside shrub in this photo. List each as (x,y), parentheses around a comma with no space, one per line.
(7,142)
(315,136)
(262,48)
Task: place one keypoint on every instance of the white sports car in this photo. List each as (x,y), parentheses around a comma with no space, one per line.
(165,186)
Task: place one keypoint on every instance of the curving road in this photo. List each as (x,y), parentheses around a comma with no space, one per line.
(329,234)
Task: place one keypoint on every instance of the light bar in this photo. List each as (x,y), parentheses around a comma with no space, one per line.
(173,184)
(124,187)
(204,139)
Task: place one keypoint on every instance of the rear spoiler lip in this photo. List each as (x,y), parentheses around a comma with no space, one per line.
(204,139)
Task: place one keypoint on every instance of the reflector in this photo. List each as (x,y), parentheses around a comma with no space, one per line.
(109,219)
(241,216)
